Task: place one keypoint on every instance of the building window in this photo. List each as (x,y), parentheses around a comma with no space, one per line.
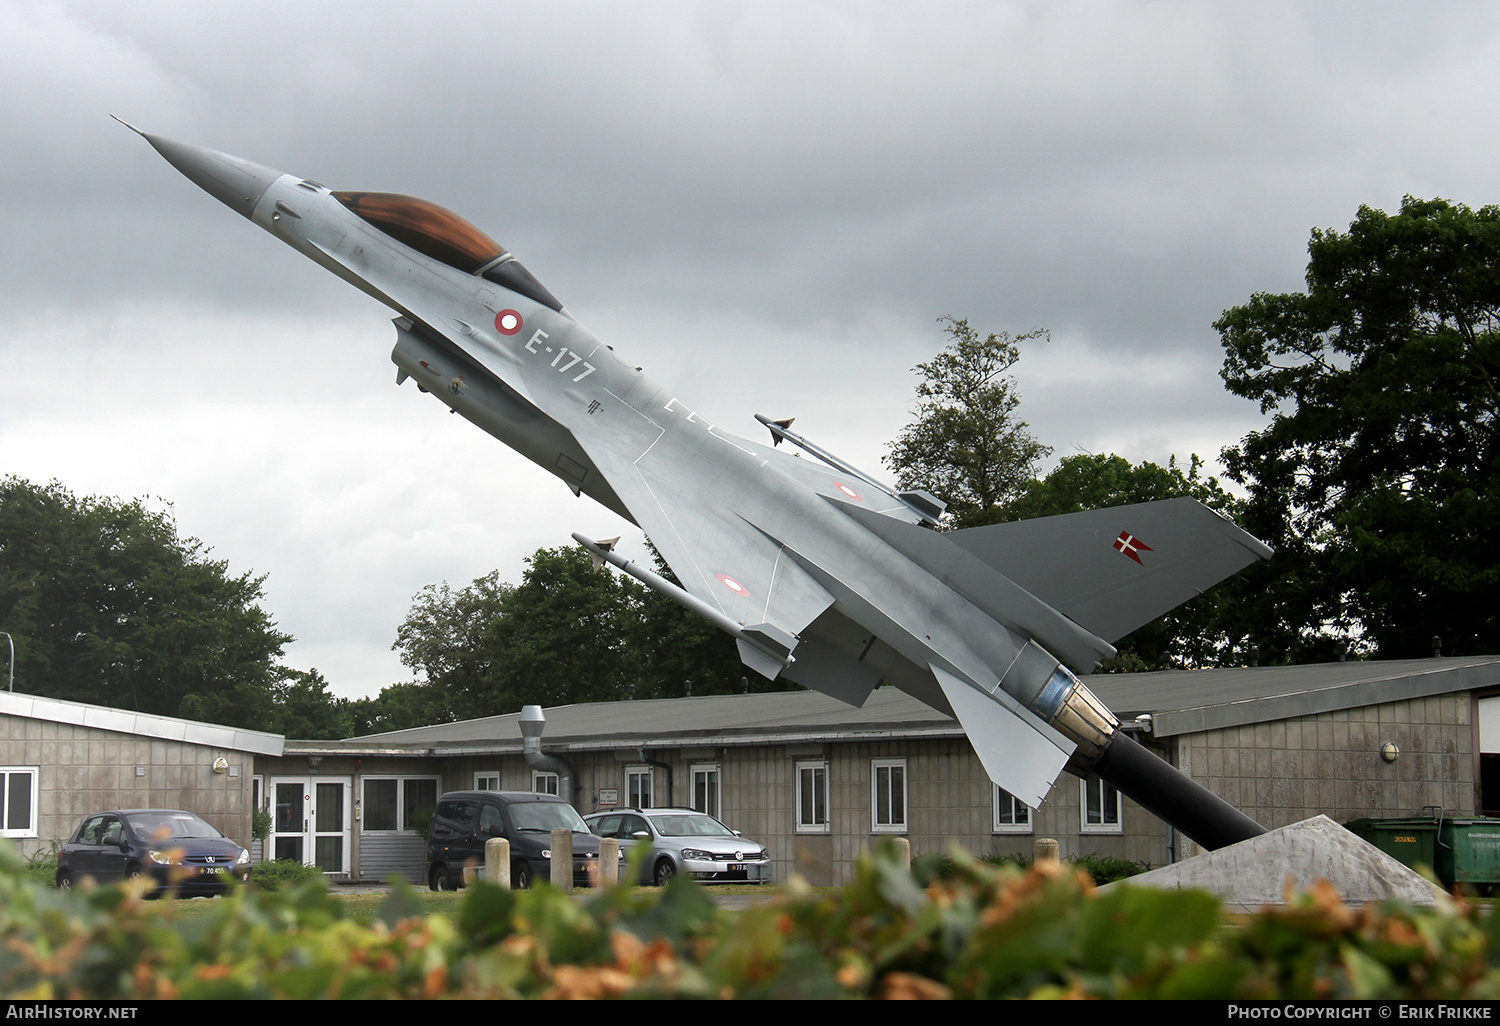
(1012,816)
(638,787)
(1101,807)
(888,796)
(418,800)
(706,790)
(812,797)
(397,803)
(487,780)
(543,782)
(18,801)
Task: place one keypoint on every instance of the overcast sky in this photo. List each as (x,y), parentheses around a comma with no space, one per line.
(766,204)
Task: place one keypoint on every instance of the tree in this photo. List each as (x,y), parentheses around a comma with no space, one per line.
(305,709)
(966,446)
(1378,478)
(444,641)
(672,647)
(109,605)
(399,707)
(1206,631)
(569,632)
(564,633)
(1087,481)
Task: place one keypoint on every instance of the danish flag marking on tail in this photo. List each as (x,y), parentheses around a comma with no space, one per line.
(1130,545)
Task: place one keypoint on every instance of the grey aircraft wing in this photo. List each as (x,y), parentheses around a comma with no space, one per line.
(717,556)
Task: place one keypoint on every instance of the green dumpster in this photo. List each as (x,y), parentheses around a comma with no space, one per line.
(1469,852)
(1412,841)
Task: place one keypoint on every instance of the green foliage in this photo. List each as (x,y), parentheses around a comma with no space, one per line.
(966,446)
(978,932)
(275,873)
(564,634)
(670,647)
(445,640)
(306,709)
(1086,481)
(1104,869)
(1210,629)
(41,866)
(108,604)
(418,821)
(399,707)
(569,632)
(1378,478)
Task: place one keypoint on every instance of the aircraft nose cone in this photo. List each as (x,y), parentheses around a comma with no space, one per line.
(238,184)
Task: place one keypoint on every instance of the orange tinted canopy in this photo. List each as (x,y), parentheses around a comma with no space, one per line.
(425,227)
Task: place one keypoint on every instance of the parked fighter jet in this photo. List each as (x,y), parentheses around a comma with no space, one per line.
(822,574)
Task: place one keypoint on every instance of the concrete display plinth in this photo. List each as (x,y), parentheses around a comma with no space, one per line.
(1253,873)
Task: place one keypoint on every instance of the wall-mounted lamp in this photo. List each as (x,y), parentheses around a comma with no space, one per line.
(1389,751)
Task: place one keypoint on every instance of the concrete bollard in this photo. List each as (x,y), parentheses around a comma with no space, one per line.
(1044,849)
(609,862)
(562,859)
(903,847)
(497,862)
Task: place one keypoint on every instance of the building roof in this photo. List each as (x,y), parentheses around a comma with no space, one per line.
(123,721)
(1179,702)
(782,717)
(1188,701)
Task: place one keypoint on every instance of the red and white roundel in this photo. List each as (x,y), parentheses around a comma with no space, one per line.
(507,322)
(734,586)
(848,491)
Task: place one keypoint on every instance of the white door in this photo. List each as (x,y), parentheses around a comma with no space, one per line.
(310,821)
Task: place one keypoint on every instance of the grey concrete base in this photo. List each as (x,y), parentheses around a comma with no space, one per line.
(1253,873)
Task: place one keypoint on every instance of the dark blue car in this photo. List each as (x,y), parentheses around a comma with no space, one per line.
(180,851)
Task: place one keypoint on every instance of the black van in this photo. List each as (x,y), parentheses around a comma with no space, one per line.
(464,820)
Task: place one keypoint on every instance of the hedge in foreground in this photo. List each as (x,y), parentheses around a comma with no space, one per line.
(981,932)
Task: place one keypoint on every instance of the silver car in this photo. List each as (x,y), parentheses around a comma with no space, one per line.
(684,841)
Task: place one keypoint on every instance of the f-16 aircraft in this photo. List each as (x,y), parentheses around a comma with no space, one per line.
(822,574)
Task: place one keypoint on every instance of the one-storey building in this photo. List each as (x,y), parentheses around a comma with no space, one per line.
(61,761)
(818,782)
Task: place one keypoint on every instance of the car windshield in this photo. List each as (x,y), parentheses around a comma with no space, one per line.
(544,817)
(168,826)
(689,825)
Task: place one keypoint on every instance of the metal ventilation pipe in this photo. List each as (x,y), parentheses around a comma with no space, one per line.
(533,722)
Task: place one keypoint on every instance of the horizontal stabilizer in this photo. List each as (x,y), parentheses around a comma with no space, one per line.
(1113,570)
(1015,754)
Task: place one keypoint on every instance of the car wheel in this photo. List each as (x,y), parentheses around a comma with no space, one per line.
(665,870)
(438,880)
(64,881)
(520,876)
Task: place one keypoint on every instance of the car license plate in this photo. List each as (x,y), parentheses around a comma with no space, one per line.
(736,867)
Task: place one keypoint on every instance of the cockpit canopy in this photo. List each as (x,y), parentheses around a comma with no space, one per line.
(442,235)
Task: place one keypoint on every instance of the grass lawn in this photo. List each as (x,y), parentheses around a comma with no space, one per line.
(365,906)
